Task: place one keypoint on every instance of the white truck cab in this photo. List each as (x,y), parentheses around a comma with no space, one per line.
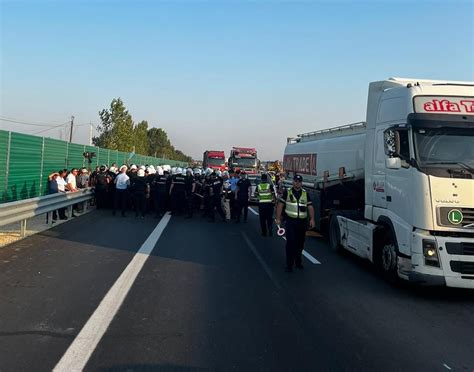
(417,221)
(419,164)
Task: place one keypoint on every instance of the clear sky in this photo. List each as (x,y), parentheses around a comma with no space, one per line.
(221,74)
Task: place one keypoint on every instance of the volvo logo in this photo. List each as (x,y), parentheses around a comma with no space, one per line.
(447,201)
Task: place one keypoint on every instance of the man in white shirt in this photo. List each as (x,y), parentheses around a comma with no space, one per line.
(122,183)
(71,180)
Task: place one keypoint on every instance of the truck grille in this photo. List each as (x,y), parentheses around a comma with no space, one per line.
(462,267)
(460,248)
(467,214)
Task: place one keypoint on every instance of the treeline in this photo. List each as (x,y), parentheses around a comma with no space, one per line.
(117,131)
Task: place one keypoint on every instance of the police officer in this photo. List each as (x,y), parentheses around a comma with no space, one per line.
(198,190)
(207,193)
(242,195)
(101,184)
(297,206)
(177,192)
(216,194)
(159,192)
(264,193)
(189,188)
(140,191)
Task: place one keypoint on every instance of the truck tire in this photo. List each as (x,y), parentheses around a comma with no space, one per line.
(334,234)
(386,257)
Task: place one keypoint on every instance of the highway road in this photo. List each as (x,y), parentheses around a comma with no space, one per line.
(104,293)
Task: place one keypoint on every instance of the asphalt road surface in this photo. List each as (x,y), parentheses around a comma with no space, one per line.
(202,296)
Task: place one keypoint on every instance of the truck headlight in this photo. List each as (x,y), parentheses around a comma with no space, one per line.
(430,251)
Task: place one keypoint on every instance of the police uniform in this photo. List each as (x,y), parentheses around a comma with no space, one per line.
(188,188)
(101,189)
(198,191)
(243,186)
(207,196)
(264,192)
(296,211)
(216,201)
(139,191)
(160,194)
(178,196)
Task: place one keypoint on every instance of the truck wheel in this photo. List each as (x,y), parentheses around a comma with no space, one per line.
(387,258)
(334,234)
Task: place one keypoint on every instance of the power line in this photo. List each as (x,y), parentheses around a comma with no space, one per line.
(47,129)
(16,121)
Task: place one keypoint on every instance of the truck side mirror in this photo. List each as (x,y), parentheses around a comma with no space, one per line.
(393,163)
(392,143)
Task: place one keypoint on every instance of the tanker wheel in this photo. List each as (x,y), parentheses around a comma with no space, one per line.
(334,234)
(387,260)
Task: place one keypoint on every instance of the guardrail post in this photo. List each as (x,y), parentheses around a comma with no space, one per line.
(69,210)
(23,228)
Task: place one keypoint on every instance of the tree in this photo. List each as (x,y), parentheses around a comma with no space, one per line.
(116,128)
(158,143)
(140,137)
(118,132)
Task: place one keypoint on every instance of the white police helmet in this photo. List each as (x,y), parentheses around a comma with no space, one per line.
(208,171)
(218,173)
(150,170)
(179,170)
(159,170)
(141,173)
(173,170)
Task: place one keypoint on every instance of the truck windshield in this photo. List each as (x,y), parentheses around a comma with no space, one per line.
(244,162)
(445,147)
(216,162)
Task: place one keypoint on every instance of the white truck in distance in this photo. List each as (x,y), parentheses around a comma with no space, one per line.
(398,189)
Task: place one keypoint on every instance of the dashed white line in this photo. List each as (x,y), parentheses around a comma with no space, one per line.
(446,366)
(81,349)
(311,258)
(306,254)
(254,212)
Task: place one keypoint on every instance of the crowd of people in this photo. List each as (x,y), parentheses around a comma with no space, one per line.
(153,190)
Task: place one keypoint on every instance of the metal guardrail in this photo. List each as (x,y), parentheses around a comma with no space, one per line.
(20,211)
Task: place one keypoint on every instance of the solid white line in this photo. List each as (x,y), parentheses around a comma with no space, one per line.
(254,212)
(78,354)
(306,254)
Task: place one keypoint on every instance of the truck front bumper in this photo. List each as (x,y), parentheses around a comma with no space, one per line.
(455,270)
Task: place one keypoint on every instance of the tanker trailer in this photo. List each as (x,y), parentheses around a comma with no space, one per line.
(398,189)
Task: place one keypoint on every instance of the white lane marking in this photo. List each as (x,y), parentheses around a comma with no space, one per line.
(254,212)
(262,261)
(306,254)
(446,366)
(311,258)
(81,349)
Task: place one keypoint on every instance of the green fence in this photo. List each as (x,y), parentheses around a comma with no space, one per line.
(26,161)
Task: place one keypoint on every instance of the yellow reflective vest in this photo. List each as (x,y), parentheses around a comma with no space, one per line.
(296,208)
(264,193)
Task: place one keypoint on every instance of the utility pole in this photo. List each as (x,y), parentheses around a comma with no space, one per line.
(90,133)
(72,126)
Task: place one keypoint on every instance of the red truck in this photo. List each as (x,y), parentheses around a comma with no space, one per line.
(214,160)
(244,158)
